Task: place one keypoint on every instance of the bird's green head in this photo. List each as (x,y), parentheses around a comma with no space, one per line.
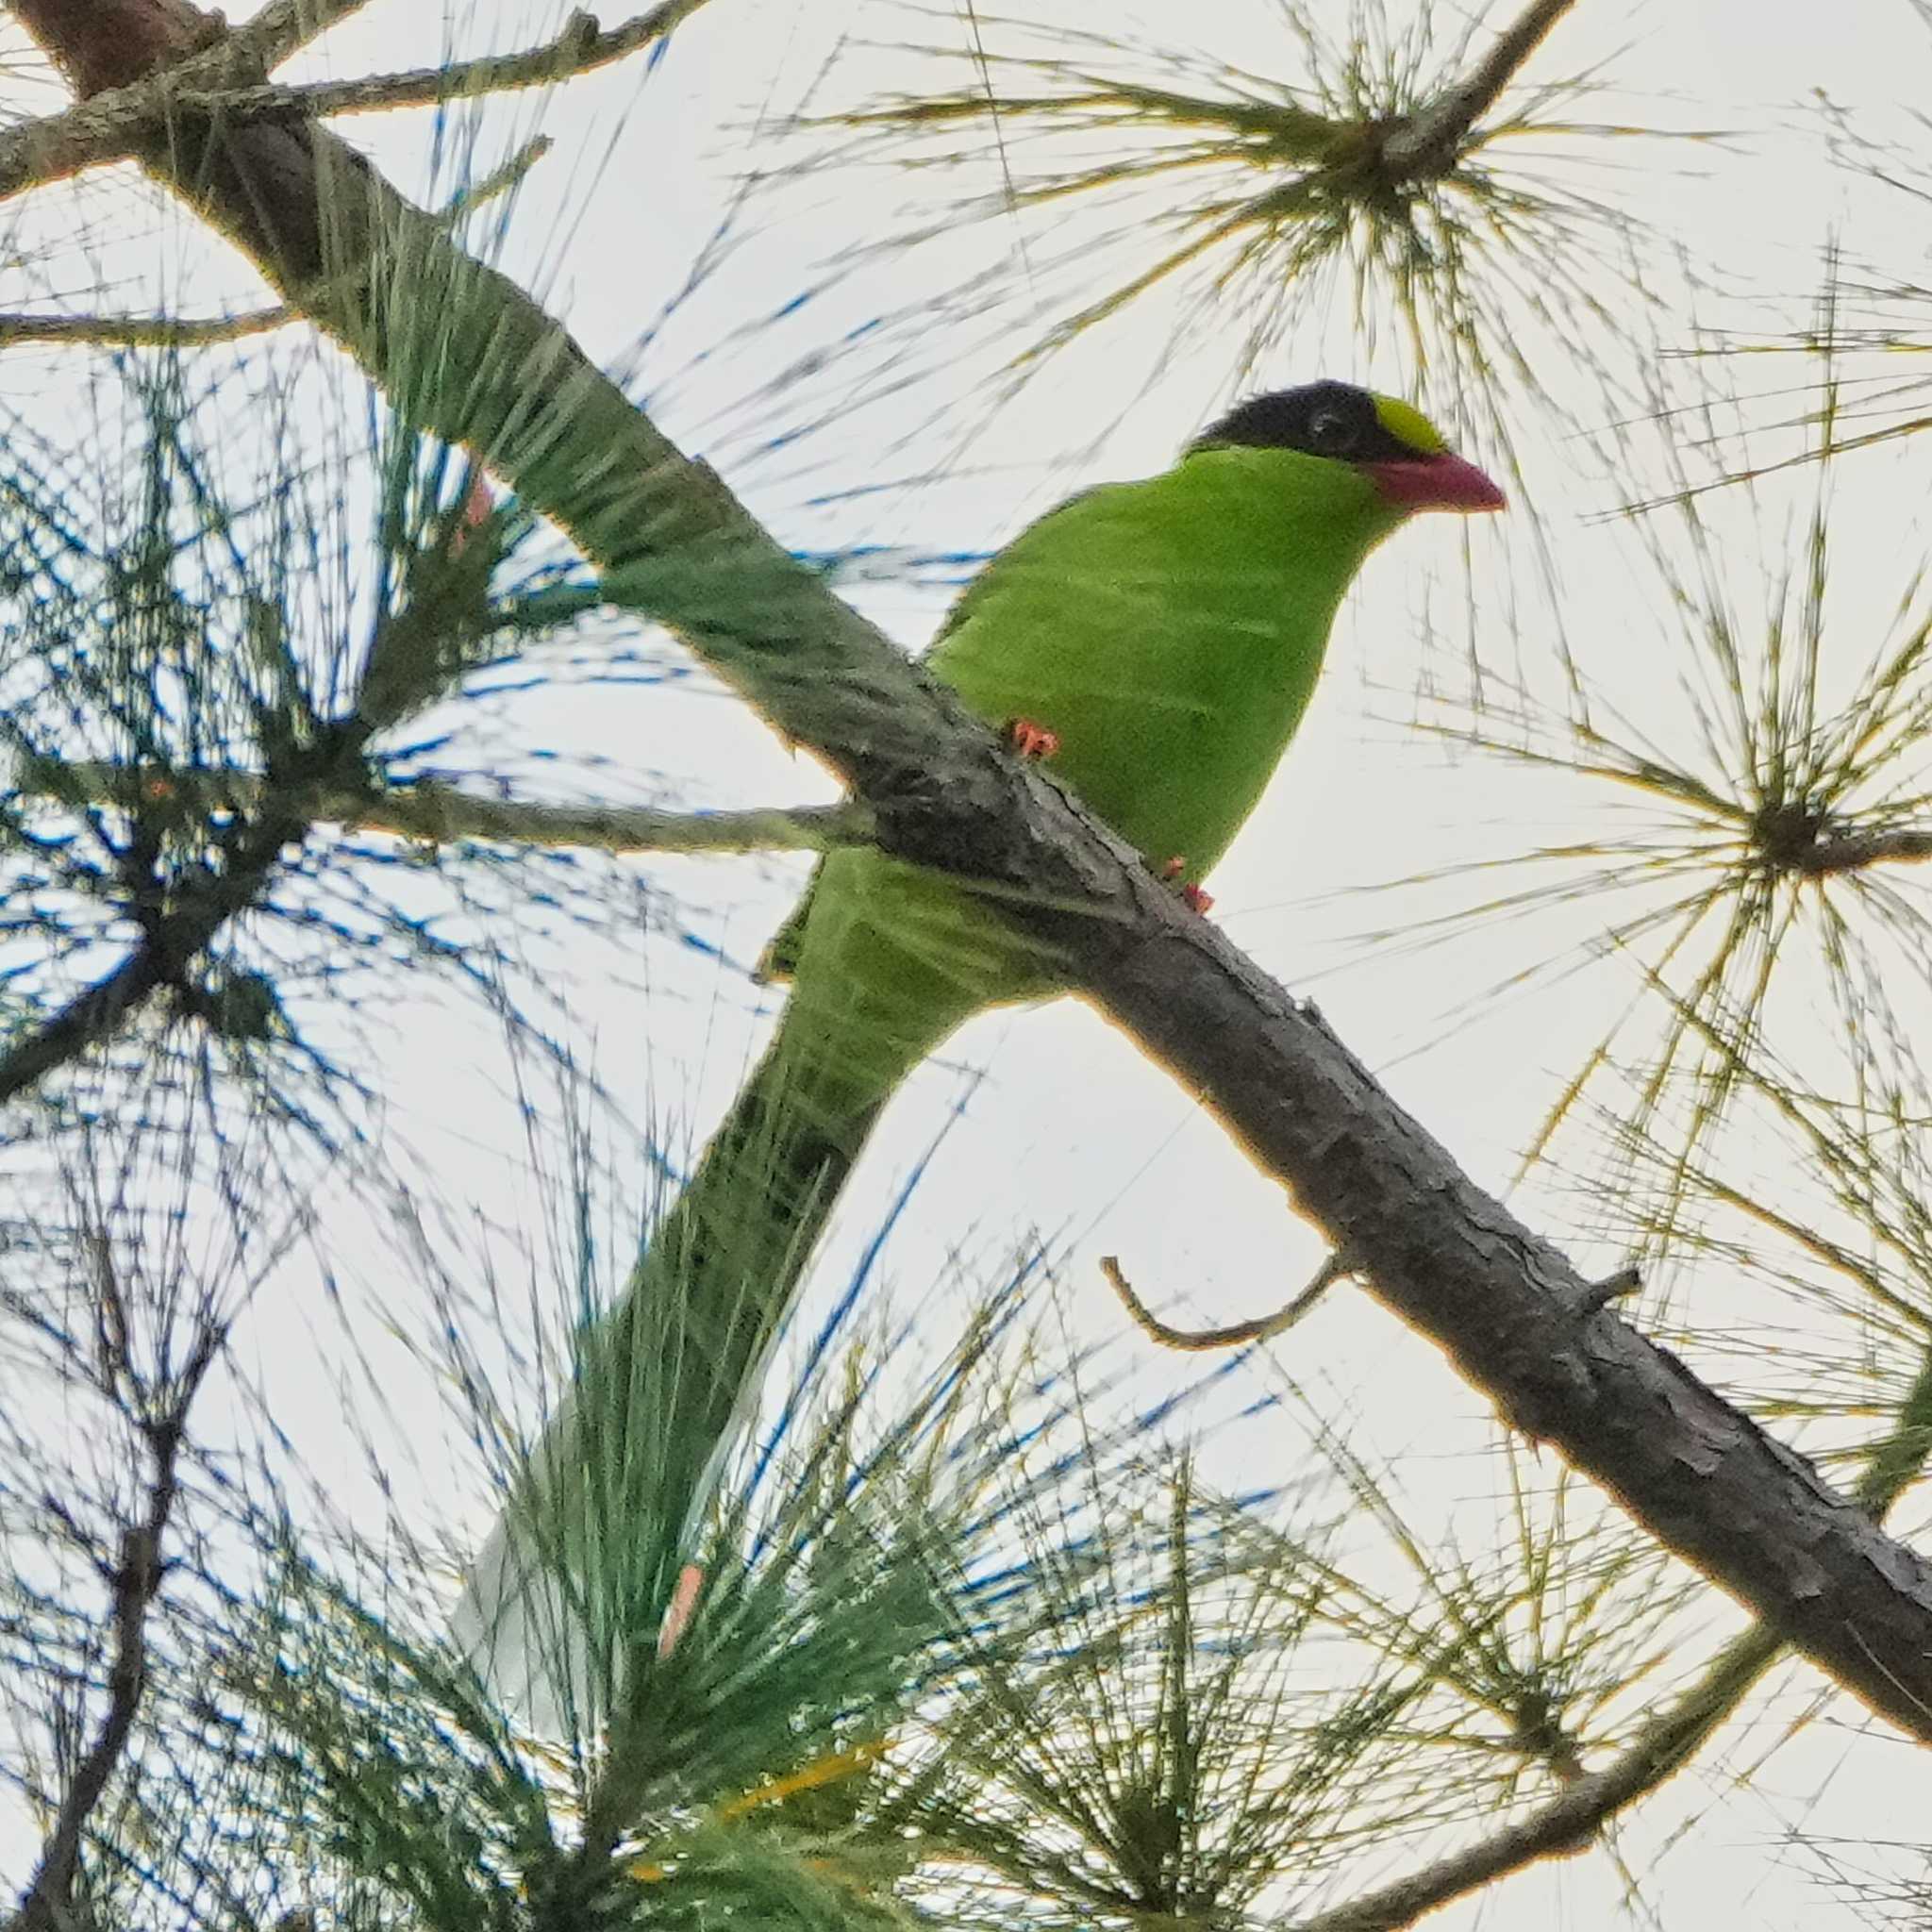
(1394,447)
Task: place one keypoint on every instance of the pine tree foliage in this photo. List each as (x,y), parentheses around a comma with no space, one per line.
(984,1621)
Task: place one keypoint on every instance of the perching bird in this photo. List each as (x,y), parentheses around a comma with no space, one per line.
(1161,640)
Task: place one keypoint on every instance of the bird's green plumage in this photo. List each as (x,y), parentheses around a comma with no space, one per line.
(1170,633)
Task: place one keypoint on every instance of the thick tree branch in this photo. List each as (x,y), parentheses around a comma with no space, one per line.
(468,355)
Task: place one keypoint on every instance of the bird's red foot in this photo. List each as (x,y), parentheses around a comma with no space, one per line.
(1030,741)
(1192,897)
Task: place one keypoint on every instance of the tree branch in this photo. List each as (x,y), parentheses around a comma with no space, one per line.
(174,932)
(1429,141)
(436,815)
(470,357)
(1834,852)
(1236,1334)
(581,46)
(144,331)
(170,332)
(135,1583)
(126,57)
(140,63)
(1568,1822)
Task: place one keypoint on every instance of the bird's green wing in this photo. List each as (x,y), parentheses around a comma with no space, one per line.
(779,960)
(1168,633)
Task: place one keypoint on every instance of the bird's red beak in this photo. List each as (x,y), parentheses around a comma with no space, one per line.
(1437,482)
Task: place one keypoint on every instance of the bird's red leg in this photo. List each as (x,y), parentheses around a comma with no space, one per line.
(1030,741)
(1192,897)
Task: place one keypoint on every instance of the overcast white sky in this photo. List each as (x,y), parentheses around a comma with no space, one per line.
(1067,1130)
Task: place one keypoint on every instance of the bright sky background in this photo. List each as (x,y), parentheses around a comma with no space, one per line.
(1066,1130)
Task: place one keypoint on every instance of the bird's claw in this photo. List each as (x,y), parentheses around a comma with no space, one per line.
(1192,897)
(1027,740)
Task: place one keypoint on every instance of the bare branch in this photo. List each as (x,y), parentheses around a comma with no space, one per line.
(144,331)
(1429,141)
(1236,1334)
(435,814)
(579,48)
(1570,1820)
(135,1583)
(170,332)
(112,55)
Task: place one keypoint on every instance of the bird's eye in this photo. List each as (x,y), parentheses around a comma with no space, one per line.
(1332,432)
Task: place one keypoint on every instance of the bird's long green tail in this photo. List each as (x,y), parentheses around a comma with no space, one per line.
(591,1545)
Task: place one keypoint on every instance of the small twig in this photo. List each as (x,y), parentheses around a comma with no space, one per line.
(499,180)
(1427,142)
(170,332)
(286,26)
(1236,1334)
(144,331)
(435,813)
(1600,1294)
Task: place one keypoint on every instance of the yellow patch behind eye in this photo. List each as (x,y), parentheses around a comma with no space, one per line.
(1409,426)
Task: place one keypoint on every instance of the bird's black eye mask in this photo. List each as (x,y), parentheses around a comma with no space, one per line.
(1320,418)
